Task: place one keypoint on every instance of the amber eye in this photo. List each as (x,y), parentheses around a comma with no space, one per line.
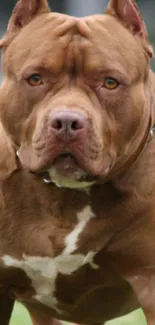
(110,83)
(35,80)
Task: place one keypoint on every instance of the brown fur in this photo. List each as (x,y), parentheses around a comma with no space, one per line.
(74,56)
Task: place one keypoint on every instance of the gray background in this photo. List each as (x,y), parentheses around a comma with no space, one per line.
(82,8)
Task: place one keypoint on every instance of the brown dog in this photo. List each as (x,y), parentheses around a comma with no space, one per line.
(77,165)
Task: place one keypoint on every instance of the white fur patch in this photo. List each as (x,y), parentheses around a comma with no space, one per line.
(72,182)
(43,271)
(71,240)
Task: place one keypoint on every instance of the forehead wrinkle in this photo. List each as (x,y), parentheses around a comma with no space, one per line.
(75,31)
(65,23)
(80,32)
(78,53)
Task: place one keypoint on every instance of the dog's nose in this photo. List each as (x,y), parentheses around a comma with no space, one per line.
(68,124)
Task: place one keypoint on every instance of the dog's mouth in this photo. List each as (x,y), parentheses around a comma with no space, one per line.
(66,172)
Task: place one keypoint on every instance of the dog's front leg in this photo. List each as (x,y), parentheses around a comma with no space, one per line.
(143,284)
(6,307)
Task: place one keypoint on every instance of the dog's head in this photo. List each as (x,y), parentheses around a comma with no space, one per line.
(75,97)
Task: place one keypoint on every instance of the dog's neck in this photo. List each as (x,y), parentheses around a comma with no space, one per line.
(141,161)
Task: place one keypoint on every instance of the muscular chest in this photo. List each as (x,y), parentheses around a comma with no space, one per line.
(56,239)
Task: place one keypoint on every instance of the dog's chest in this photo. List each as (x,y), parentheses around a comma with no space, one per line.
(44,271)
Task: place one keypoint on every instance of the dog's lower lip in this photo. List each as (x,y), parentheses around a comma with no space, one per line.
(66,164)
(65,155)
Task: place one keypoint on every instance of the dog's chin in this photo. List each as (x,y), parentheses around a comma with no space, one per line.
(65,172)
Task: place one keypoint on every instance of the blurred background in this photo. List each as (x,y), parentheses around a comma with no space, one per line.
(82,8)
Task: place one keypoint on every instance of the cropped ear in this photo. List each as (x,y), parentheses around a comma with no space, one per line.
(25,11)
(128,13)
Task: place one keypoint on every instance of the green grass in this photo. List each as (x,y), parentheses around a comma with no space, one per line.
(21,317)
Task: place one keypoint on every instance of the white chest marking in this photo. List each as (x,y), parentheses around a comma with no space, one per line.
(43,271)
(71,240)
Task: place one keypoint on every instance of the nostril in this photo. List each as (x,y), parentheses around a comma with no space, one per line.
(76,125)
(57,124)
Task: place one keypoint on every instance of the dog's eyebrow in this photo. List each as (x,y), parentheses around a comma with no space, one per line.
(33,68)
(110,72)
(117,73)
